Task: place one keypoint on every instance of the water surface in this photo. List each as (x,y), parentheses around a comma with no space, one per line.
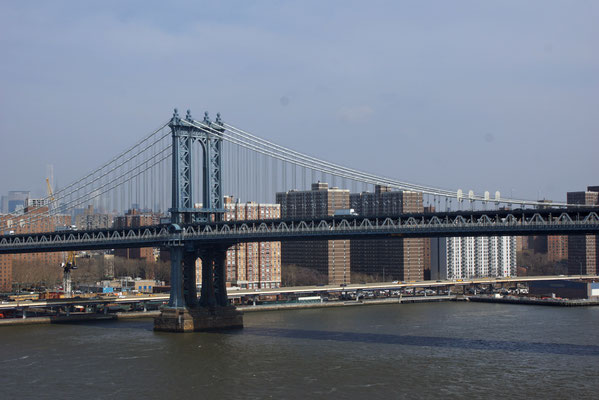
(446,350)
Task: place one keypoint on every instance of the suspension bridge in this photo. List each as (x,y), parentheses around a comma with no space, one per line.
(204,160)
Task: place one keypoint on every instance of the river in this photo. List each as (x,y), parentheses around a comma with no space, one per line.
(433,350)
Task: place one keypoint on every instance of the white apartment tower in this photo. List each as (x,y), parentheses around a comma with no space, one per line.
(473,257)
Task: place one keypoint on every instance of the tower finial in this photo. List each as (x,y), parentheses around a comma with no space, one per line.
(188,115)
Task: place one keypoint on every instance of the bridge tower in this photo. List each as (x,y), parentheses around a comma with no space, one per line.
(213,311)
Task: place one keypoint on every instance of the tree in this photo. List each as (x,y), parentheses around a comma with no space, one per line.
(35,275)
(292,275)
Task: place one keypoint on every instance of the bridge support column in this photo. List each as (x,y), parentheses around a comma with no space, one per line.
(176,299)
(213,311)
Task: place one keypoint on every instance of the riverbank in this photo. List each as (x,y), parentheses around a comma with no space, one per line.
(351,303)
(82,317)
(535,301)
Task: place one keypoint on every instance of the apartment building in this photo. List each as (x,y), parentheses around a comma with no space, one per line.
(389,259)
(329,257)
(257,264)
(36,220)
(134,219)
(583,252)
(473,257)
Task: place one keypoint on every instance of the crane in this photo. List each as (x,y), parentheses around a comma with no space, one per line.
(70,263)
(67,266)
(49,189)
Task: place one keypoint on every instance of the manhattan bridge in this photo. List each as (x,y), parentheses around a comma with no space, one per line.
(186,167)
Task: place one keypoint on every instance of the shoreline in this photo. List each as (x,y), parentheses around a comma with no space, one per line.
(536,302)
(84,317)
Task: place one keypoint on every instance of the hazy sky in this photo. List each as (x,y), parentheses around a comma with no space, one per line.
(484,95)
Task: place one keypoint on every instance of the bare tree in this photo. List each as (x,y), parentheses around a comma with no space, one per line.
(35,275)
(292,275)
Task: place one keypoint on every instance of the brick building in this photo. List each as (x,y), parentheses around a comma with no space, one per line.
(389,259)
(134,219)
(329,257)
(18,224)
(426,250)
(257,264)
(248,265)
(557,248)
(582,249)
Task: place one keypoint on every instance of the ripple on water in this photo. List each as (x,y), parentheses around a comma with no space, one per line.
(399,351)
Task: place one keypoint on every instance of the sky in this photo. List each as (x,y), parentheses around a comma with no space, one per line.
(483,95)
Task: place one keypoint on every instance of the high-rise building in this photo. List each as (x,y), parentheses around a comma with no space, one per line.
(473,257)
(36,221)
(35,203)
(257,264)
(595,189)
(135,219)
(389,259)
(90,220)
(557,248)
(15,201)
(247,265)
(582,249)
(427,249)
(332,257)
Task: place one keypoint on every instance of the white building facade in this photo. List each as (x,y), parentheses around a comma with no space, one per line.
(473,257)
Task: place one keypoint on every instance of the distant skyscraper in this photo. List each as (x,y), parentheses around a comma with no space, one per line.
(389,259)
(3,204)
(16,199)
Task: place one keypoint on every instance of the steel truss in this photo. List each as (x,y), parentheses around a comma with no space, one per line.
(192,237)
(209,136)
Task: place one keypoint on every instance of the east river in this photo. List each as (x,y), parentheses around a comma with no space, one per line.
(434,350)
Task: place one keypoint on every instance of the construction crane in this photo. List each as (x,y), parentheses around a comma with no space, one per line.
(67,266)
(70,263)
(49,189)
(50,197)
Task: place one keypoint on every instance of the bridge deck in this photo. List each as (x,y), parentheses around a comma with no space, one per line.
(474,223)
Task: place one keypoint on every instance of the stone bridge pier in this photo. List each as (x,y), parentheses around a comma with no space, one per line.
(213,311)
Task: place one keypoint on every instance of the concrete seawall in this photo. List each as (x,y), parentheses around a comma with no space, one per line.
(76,317)
(536,302)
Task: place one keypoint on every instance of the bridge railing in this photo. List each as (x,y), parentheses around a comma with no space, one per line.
(274,230)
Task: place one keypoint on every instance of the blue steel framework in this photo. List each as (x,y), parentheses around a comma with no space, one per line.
(185,253)
(226,233)
(184,136)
